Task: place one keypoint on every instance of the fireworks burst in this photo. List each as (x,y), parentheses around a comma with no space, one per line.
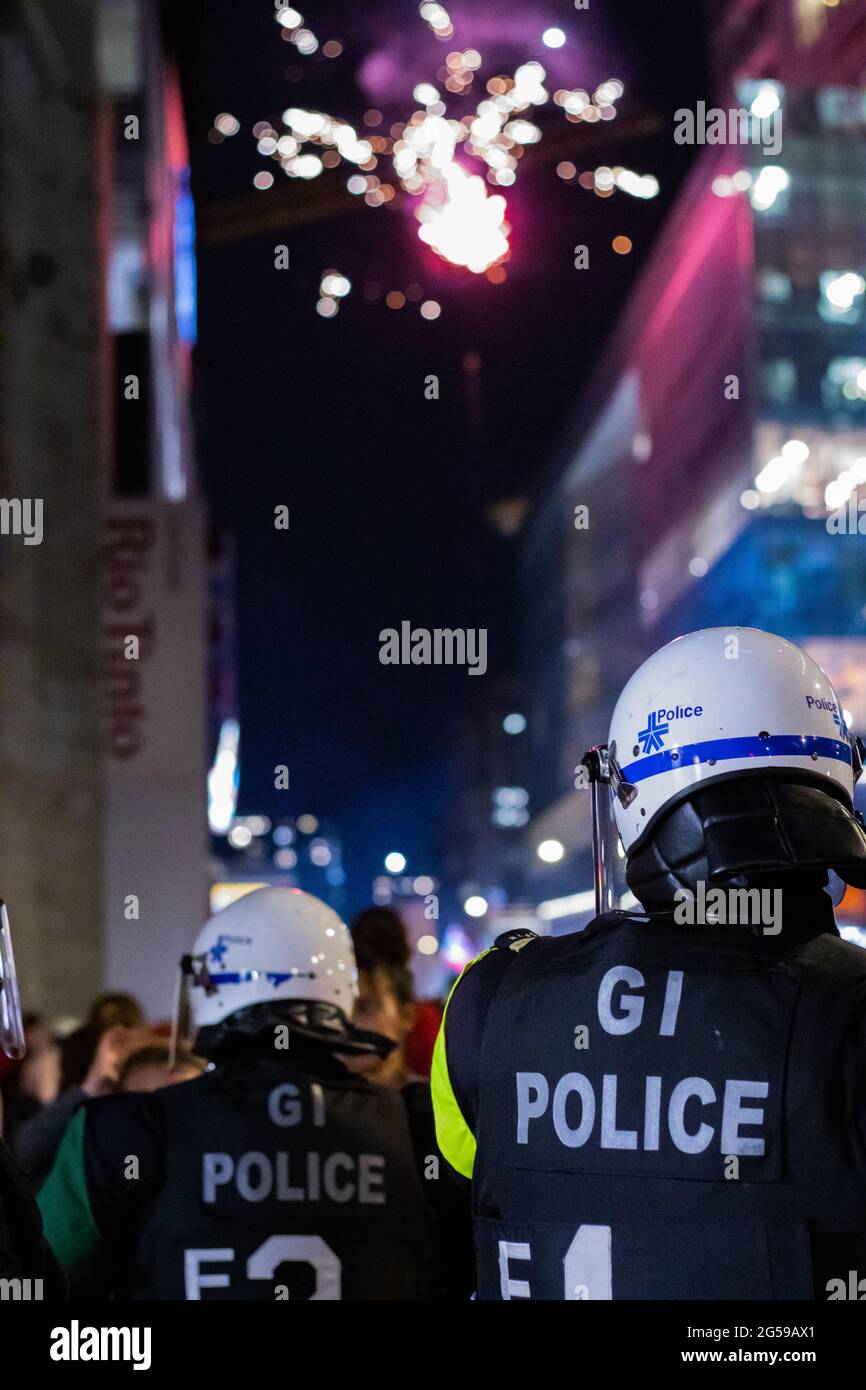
(460,221)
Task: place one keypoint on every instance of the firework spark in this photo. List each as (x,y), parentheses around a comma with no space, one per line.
(461,223)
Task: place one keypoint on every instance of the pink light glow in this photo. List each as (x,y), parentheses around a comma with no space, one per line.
(457,948)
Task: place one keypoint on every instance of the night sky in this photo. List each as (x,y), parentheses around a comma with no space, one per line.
(388,491)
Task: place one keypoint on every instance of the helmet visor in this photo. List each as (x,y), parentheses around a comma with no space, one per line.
(192,973)
(11,1027)
(608,856)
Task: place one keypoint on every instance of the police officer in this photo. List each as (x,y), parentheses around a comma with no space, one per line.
(28,1269)
(277,1174)
(672,1103)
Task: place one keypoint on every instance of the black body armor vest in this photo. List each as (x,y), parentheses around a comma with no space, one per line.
(278,1184)
(669,1112)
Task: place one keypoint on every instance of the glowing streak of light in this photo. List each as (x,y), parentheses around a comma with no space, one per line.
(223,778)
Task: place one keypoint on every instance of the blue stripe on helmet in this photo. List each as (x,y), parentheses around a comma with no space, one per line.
(724,749)
(274,977)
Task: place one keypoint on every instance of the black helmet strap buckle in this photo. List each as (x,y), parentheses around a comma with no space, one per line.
(602,766)
(196,969)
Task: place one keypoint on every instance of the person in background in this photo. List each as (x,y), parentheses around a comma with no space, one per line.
(33,1083)
(380,937)
(149,1068)
(112,1010)
(386,1005)
(36,1141)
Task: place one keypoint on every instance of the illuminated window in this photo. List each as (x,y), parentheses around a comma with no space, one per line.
(841,108)
(844,384)
(774,286)
(779,376)
(841,296)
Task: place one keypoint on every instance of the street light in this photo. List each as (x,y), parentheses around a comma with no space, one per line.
(395,862)
(476,906)
(514,723)
(551,851)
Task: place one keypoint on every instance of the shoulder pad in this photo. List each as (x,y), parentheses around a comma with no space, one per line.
(514,940)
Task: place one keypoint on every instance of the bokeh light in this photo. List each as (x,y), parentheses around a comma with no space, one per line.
(514,723)
(550,851)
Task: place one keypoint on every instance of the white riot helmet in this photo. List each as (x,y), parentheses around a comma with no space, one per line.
(744,733)
(272,945)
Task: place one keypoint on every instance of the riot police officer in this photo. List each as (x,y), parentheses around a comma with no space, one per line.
(28,1269)
(672,1103)
(278,1173)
